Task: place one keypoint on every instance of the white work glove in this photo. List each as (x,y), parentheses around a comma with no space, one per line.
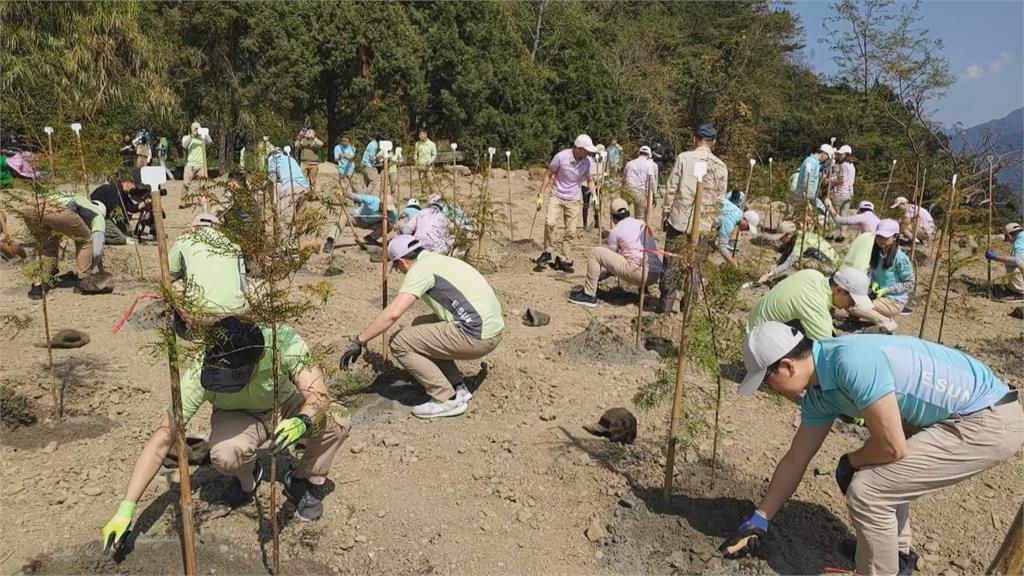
(99,238)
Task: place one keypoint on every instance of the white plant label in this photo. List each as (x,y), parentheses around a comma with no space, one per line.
(954,180)
(752,162)
(770,160)
(76,127)
(386,146)
(699,170)
(508,153)
(491,151)
(454,146)
(153,176)
(48,130)
(287,150)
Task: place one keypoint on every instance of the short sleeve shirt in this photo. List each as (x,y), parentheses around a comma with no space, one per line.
(345,157)
(456,292)
(848,173)
(627,239)
(805,296)
(213,266)
(858,255)
(1018,249)
(931,382)
(807,182)
(570,174)
(425,152)
(287,172)
(258,394)
(731,216)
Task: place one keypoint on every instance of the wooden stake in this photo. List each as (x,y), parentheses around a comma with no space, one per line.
(918,198)
(1010,557)
(385,262)
(885,194)
(185,484)
(508,180)
(949,271)
(677,397)
(57,392)
(937,258)
(455,179)
(988,239)
(771,194)
(483,203)
(718,384)
(643,261)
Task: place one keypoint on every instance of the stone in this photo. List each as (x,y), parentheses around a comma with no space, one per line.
(961,564)
(932,547)
(357,448)
(50,448)
(13,488)
(361,538)
(524,516)
(92,490)
(547,416)
(626,502)
(223,548)
(596,531)
(389,441)
(347,544)
(679,561)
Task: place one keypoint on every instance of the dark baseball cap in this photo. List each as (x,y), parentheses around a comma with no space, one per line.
(228,364)
(706,132)
(616,424)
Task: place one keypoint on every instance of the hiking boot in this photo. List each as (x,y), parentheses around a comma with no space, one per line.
(839,238)
(299,491)
(237,495)
(583,299)
(369,239)
(563,265)
(435,409)
(36,291)
(907,311)
(908,560)
(329,245)
(604,276)
(543,259)
(462,392)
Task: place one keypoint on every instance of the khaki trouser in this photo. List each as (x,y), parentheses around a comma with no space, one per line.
(1016,278)
(884,309)
(604,258)
(428,352)
(907,231)
(66,222)
(310,170)
(236,434)
(569,212)
(941,455)
(373,181)
(192,171)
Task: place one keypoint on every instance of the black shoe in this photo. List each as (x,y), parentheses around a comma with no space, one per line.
(562,265)
(369,239)
(839,238)
(543,259)
(35,292)
(236,497)
(68,279)
(908,560)
(300,492)
(604,276)
(907,311)
(329,246)
(583,299)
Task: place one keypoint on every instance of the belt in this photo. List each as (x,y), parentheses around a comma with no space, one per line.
(1009,398)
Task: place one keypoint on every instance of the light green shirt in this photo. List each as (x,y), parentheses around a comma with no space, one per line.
(456,292)
(258,394)
(425,152)
(85,208)
(859,254)
(213,268)
(195,147)
(805,296)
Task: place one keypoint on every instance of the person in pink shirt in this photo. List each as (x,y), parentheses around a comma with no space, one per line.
(622,256)
(568,171)
(865,219)
(431,227)
(925,222)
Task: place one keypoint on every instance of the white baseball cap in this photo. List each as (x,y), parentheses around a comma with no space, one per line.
(866,205)
(752,218)
(618,205)
(1011,228)
(827,149)
(413,202)
(899,201)
(787,227)
(204,219)
(845,149)
(645,149)
(584,141)
(765,345)
(856,283)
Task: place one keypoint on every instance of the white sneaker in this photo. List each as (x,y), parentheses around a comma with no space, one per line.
(435,409)
(129,241)
(461,391)
(888,327)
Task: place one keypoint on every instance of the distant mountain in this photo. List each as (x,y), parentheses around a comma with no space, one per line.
(1007,134)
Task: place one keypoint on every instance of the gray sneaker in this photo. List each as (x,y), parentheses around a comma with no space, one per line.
(299,491)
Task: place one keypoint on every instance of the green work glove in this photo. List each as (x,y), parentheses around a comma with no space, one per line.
(116,529)
(540,202)
(289,431)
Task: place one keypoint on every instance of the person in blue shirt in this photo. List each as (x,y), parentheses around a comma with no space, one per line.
(733,221)
(892,278)
(291,184)
(1012,233)
(372,165)
(368,216)
(344,156)
(967,421)
(809,177)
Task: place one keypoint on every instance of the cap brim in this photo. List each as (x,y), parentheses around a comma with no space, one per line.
(596,429)
(896,205)
(752,228)
(860,301)
(751,382)
(590,149)
(225,380)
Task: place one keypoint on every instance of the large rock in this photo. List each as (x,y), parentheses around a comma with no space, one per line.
(458,169)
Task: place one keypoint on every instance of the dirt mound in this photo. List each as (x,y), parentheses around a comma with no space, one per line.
(16,410)
(599,343)
(70,429)
(148,317)
(524,246)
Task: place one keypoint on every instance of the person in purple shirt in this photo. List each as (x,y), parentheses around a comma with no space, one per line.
(568,171)
(622,256)
(865,219)
(925,222)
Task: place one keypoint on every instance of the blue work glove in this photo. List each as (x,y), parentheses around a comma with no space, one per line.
(747,538)
(99,238)
(991,255)
(844,473)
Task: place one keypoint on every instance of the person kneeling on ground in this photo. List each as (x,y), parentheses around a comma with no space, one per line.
(368,217)
(431,227)
(75,216)
(892,278)
(1014,262)
(969,421)
(236,376)
(116,197)
(816,251)
(622,257)
(808,297)
(865,218)
(911,212)
(470,325)
(734,220)
(212,268)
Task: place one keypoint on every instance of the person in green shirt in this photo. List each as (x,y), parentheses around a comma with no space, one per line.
(211,267)
(236,376)
(805,300)
(424,157)
(77,217)
(194,143)
(469,327)
(816,251)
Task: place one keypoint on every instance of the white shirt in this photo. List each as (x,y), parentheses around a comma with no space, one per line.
(637,171)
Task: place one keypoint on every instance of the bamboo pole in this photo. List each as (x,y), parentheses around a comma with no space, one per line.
(1010,557)
(718,384)
(949,271)
(918,197)
(483,202)
(771,194)
(275,359)
(885,194)
(750,174)
(700,169)
(988,238)
(508,180)
(56,392)
(385,261)
(185,487)
(643,261)
(455,179)
(937,259)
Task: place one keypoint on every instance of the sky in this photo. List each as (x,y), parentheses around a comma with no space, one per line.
(984,44)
